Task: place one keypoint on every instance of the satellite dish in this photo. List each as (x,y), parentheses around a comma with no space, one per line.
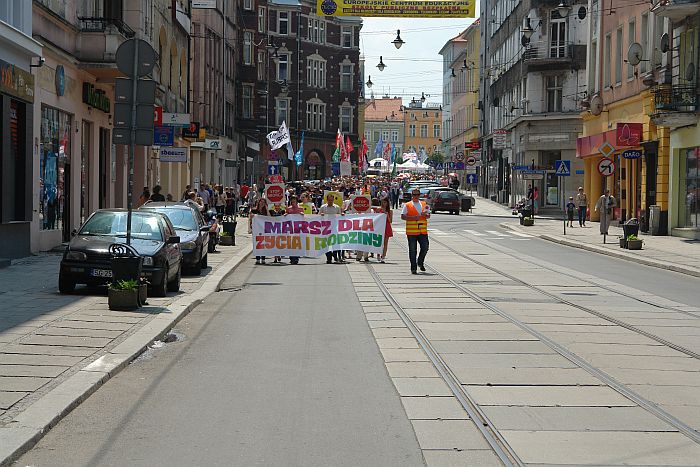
(690,71)
(634,53)
(596,105)
(665,43)
(582,12)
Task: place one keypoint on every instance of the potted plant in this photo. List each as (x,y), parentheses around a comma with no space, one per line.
(123,295)
(528,221)
(634,243)
(225,238)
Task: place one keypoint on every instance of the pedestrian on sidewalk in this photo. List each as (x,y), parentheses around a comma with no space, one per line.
(605,205)
(570,208)
(157,195)
(145,196)
(582,205)
(416,214)
(331,209)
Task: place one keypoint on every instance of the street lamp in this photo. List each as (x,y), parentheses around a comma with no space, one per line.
(563,9)
(423,96)
(369,82)
(381,64)
(527,30)
(398,42)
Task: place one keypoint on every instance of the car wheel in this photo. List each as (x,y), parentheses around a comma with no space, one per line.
(205,261)
(161,289)
(174,285)
(65,285)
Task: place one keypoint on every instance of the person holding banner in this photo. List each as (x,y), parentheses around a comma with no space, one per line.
(388,231)
(331,209)
(294,208)
(416,214)
(259,209)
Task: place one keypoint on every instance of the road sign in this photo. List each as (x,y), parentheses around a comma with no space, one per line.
(580,172)
(439,166)
(499,139)
(471,160)
(163,136)
(470,170)
(521,167)
(276,179)
(459,165)
(472,178)
(606,149)
(606,167)
(145,59)
(632,154)
(459,156)
(272,169)
(533,174)
(562,168)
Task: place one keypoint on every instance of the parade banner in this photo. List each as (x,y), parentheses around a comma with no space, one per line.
(298,235)
(397,8)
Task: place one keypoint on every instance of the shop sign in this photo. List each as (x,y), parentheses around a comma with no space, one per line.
(60,79)
(163,136)
(204,4)
(473,144)
(499,139)
(397,8)
(191,131)
(632,154)
(212,144)
(629,134)
(95,98)
(176,119)
(173,155)
(16,82)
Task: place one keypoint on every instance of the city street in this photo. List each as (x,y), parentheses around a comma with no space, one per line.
(508,350)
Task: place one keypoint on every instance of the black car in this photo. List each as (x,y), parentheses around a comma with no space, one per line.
(190,227)
(87,259)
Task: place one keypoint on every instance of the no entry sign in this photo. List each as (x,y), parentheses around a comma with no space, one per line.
(361,203)
(606,167)
(274,192)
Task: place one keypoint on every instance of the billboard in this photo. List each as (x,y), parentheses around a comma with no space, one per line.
(397,8)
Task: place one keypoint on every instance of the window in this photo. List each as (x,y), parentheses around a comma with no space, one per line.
(424,131)
(436,130)
(247,48)
(554,93)
(55,155)
(689,205)
(261,65)
(644,39)
(607,75)
(281,110)
(395,136)
(412,130)
(631,38)
(658,32)
(316,31)
(346,78)
(686,52)
(283,67)
(346,36)
(557,35)
(262,22)
(618,56)
(247,4)
(385,135)
(593,76)
(315,115)
(346,119)
(283,23)
(247,110)
(368,136)
(316,72)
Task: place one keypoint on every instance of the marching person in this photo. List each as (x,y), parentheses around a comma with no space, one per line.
(331,209)
(605,205)
(276,211)
(388,231)
(416,214)
(582,204)
(294,208)
(259,209)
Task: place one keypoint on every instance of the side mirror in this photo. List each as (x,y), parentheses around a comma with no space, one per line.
(204,228)
(73,233)
(173,239)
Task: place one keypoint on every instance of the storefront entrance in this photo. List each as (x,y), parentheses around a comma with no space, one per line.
(54,171)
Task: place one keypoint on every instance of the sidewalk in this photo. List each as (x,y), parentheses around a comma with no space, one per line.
(55,350)
(665,252)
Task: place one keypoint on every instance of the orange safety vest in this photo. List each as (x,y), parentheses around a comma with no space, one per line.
(416,227)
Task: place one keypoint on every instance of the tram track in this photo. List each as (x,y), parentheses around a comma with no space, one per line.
(580,362)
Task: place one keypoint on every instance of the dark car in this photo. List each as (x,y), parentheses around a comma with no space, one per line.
(87,259)
(461,195)
(421,184)
(190,227)
(445,200)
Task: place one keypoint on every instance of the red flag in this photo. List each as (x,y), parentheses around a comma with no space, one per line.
(348,145)
(387,152)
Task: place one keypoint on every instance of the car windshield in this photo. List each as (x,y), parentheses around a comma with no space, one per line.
(448,195)
(113,224)
(182,219)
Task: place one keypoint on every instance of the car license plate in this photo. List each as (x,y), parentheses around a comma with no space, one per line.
(101,272)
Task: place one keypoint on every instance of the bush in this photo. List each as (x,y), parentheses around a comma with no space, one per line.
(632,238)
(130,284)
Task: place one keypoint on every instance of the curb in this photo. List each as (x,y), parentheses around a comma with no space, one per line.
(614,254)
(24,431)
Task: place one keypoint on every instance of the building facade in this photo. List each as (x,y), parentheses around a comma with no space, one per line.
(18,54)
(302,69)
(534,59)
(384,121)
(422,128)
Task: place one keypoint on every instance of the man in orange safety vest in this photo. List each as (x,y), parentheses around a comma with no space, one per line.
(416,214)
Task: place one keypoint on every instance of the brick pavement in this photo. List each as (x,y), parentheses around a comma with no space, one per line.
(49,340)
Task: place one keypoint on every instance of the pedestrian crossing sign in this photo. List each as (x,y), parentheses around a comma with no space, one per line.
(562,168)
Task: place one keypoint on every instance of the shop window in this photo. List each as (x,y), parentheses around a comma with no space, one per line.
(54,169)
(689,204)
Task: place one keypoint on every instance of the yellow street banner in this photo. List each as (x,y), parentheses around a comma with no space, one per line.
(397,8)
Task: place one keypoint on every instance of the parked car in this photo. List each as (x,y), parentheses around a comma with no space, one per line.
(420,184)
(445,200)
(445,188)
(192,229)
(86,260)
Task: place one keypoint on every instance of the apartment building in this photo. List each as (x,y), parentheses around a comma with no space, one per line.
(422,128)
(533,81)
(384,120)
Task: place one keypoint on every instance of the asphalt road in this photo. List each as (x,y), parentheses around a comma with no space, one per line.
(667,284)
(279,369)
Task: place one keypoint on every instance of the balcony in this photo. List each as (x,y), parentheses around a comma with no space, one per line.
(98,42)
(675,10)
(553,55)
(675,105)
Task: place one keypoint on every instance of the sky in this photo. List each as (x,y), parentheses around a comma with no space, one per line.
(416,67)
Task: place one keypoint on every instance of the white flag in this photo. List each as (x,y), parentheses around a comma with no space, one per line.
(277,139)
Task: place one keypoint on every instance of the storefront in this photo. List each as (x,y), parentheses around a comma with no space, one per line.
(689,202)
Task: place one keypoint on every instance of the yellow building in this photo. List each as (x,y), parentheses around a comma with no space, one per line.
(423,128)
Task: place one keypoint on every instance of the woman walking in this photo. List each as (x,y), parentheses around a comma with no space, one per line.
(385,208)
(277,210)
(294,208)
(259,209)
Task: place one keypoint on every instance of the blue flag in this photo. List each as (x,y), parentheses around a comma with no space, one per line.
(393,153)
(378,148)
(299,156)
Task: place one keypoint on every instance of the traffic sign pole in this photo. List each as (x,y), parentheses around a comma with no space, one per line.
(132,147)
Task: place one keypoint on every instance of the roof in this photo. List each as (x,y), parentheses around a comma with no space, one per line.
(380,109)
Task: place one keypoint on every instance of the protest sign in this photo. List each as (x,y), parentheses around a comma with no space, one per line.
(314,235)
(307,207)
(274,192)
(337,197)
(361,203)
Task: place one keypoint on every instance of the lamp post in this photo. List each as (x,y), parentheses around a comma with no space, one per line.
(398,42)
(381,64)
